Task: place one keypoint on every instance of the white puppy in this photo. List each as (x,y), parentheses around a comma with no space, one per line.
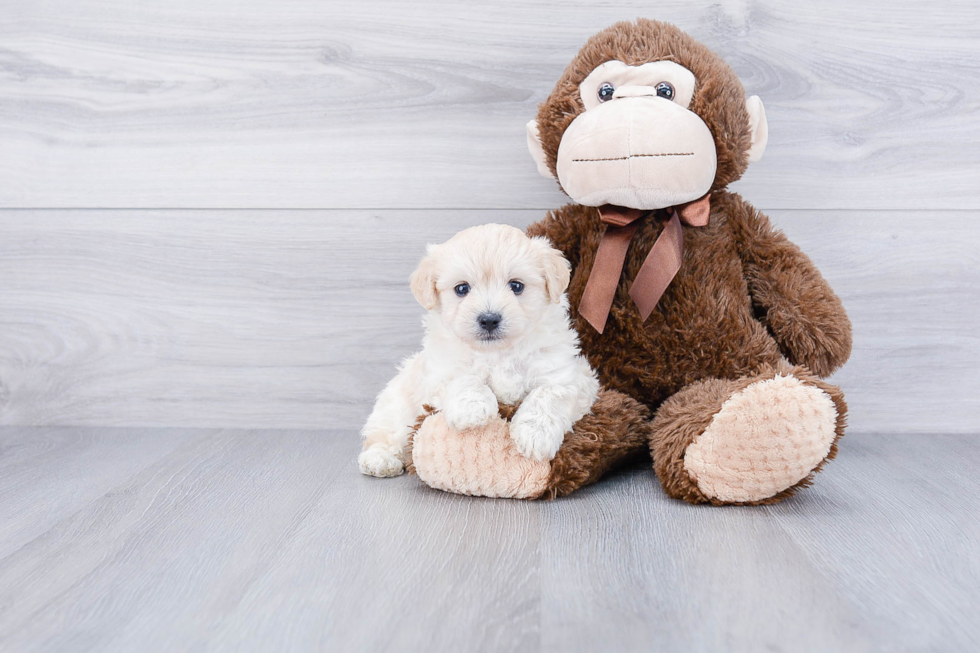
(496,328)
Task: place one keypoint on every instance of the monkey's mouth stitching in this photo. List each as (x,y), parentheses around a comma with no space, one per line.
(635,156)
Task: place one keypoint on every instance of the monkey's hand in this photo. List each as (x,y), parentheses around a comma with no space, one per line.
(790,296)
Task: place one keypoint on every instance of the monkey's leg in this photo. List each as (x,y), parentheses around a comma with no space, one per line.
(753,440)
(616,431)
(484,461)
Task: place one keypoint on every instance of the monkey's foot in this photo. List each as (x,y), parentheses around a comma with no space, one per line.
(485,461)
(481,461)
(766,438)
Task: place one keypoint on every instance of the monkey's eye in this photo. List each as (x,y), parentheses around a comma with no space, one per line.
(606,91)
(462,289)
(665,90)
(517,287)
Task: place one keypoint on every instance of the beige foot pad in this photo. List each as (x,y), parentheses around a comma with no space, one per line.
(766,438)
(479,462)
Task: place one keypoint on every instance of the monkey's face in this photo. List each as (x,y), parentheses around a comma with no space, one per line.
(646,118)
(637,144)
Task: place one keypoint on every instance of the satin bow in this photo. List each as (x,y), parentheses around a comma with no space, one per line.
(657,271)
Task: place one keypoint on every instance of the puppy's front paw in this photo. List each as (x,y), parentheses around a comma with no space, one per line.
(379,460)
(470,409)
(535,436)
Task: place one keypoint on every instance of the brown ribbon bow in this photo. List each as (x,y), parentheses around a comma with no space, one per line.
(657,271)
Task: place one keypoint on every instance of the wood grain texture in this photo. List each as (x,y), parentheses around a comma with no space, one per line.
(270,540)
(298,318)
(375,104)
(871,558)
(61,468)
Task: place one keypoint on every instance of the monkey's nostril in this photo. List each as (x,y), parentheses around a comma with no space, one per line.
(489,321)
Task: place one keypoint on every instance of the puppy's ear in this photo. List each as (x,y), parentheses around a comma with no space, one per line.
(557,270)
(423,281)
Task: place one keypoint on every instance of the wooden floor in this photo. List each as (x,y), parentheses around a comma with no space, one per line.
(211,539)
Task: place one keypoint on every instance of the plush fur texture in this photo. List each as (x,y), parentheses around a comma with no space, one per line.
(689,413)
(745,296)
(484,462)
(745,304)
(744,300)
(735,459)
(613,433)
(530,355)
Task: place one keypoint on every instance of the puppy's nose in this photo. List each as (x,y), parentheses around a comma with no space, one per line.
(489,321)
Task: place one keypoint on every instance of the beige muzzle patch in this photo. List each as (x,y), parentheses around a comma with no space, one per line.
(639,152)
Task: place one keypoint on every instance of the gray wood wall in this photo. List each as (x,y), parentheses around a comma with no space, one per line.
(209,208)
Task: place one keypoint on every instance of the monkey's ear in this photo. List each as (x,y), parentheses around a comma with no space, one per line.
(537,152)
(423,281)
(759,126)
(556,268)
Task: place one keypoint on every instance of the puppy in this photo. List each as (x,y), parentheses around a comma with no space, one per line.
(496,328)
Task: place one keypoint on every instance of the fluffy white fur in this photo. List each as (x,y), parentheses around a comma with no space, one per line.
(532,358)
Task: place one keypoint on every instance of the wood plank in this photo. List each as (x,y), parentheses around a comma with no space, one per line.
(397,566)
(297,318)
(876,556)
(61,469)
(374,104)
(651,574)
(270,540)
(894,527)
(215,511)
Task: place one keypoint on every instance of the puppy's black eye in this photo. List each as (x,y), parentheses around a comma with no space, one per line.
(606,91)
(665,90)
(462,289)
(517,287)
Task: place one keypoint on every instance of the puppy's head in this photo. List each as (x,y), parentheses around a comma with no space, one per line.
(490,284)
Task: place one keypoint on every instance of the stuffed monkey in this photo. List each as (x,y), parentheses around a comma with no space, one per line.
(685,298)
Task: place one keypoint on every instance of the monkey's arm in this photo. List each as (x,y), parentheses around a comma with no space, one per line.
(562,228)
(789,294)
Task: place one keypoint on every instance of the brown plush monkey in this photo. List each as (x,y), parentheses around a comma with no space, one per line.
(684,296)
